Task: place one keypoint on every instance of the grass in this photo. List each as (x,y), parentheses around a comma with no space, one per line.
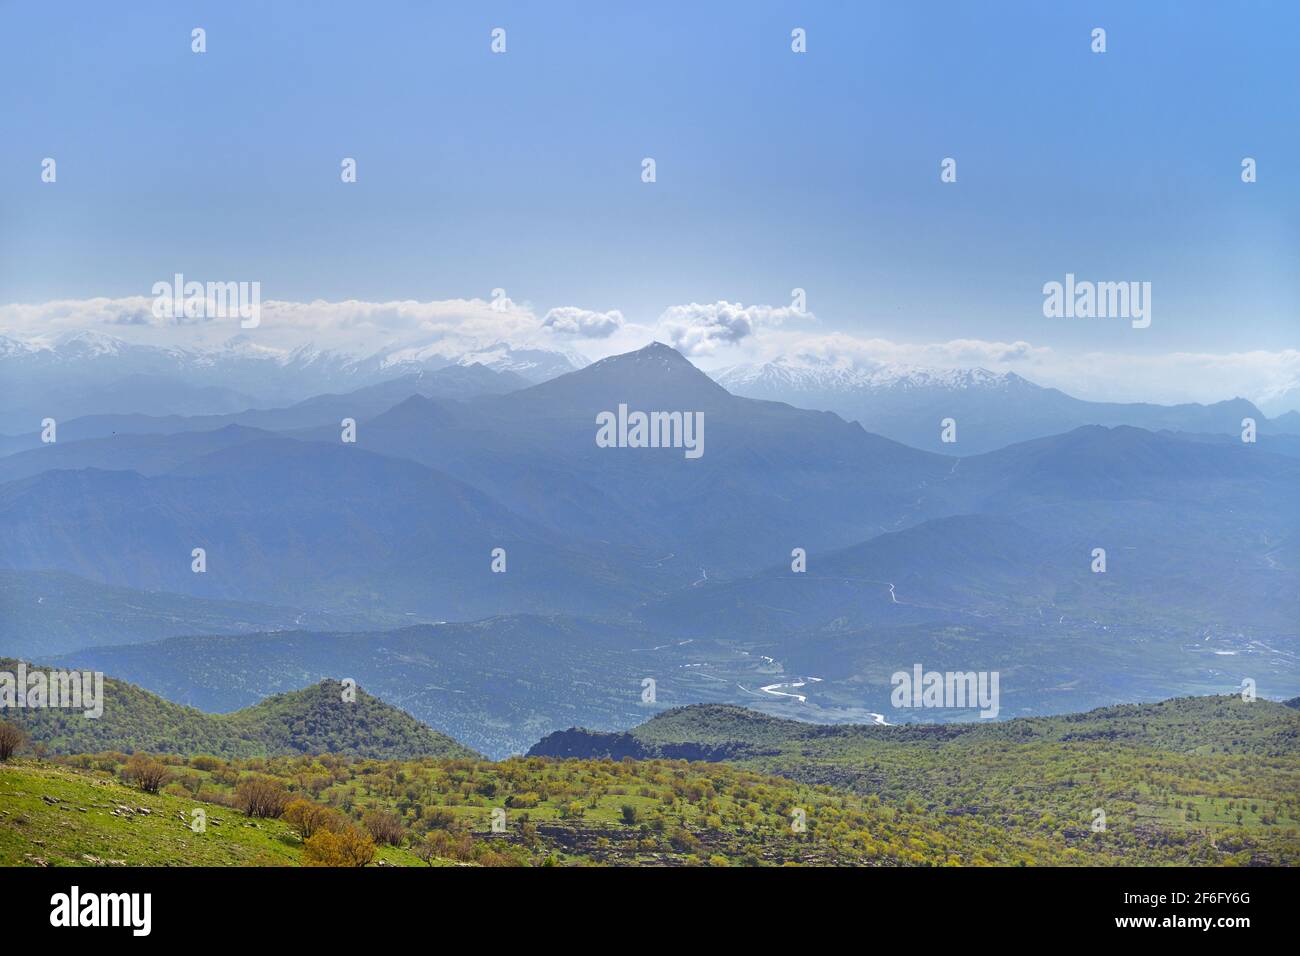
(85,826)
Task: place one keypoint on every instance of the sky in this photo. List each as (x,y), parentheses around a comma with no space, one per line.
(775,170)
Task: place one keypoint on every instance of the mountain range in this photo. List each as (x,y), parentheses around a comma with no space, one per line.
(793,566)
(991,410)
(75,374)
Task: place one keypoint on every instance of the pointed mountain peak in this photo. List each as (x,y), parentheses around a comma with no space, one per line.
(656,377)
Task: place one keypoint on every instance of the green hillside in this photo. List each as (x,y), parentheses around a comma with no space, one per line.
(1169,776)
(81,810)
(312,720)
(1199,781)
(59,816)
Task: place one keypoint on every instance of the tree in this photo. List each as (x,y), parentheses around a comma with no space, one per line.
(426,851)
(12,737)
(147,773)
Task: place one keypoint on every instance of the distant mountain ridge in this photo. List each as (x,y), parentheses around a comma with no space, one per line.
(991,409)
(726,732)
(72,375)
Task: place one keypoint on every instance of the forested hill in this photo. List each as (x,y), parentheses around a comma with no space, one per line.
(312,720)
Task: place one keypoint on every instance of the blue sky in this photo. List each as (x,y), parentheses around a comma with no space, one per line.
(775,170)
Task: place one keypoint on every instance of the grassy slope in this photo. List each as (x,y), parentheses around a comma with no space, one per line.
(685,813)
(36,832)
(1175,773)
(1204,781)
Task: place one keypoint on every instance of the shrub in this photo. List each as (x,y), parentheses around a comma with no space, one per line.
(439,818)
(145,772)
(349,848)
(307,819)
(12,738)
(261,797)
(683,840)
(447,845)
(385,827)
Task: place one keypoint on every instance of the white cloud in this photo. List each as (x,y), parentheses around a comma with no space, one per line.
(699,329)
(571,320)
(361,328)
(1270,379)
(713,335)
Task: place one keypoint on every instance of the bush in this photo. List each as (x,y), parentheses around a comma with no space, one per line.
(12,737)
(307,819)
(683,840)
(439,818)
(147,773)
(350,848)
(261,797)
(444,844)
(385,827)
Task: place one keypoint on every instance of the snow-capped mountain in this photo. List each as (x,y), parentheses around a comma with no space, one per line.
(71,374)
(990,409)
(536,365)
(812,375)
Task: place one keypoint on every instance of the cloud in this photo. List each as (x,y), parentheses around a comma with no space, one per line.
(716,334)
(1270,379)
(356,327)
(848,349)
(571,320)
(699,329)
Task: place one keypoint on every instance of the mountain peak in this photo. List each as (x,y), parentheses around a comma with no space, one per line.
(655,377)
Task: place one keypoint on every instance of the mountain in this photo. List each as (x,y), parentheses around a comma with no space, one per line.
(72,375)
(51,612)
(972,566)
(313,720)
(146,453)
(1192,725)
(454,382)
(496,685)
(769,476)
(908,403)
(328,526)
(1287,423)
(633,564)
(1171,514)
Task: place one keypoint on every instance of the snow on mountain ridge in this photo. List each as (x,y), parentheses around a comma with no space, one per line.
(246,352)
(811,375)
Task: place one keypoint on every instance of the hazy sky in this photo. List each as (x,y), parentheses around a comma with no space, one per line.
(775,170)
